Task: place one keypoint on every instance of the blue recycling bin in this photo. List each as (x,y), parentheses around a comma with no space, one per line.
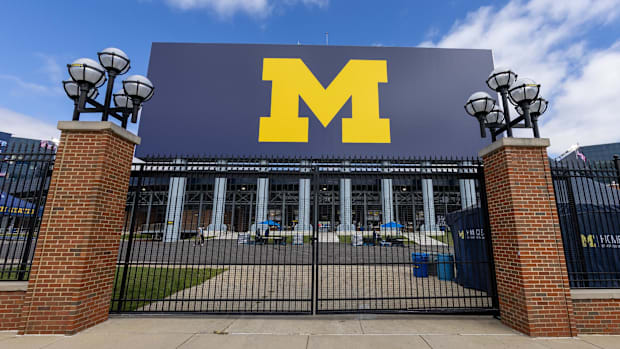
(445,266)
(420,264)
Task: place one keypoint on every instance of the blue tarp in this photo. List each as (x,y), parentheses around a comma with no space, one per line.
(270,223)
(392,225)
(12,206)
(470,250)
(590,232)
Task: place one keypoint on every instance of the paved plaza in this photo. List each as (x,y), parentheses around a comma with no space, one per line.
(324,332)
(287,288)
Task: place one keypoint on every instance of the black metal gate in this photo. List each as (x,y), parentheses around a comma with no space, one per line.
(305,236)
(25,173)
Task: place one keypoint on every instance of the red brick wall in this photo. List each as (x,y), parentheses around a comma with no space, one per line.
(597,316)
(11,303)
(74,263)
(532,281)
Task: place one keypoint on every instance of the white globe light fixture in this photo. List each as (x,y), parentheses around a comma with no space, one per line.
(499,81)
(522,92)
(537,108)
(73,90)
(87,71)
(114,60)
(124,103)
(140,89)
(121,100)
(495,118)
(87,75)
(479,105)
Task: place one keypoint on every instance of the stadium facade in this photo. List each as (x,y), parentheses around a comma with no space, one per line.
(308,108)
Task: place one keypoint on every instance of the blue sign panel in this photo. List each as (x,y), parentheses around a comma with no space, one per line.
(287,100)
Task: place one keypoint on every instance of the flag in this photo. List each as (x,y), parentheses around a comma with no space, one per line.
(580,155)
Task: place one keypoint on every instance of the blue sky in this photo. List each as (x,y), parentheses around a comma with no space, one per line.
(571,47)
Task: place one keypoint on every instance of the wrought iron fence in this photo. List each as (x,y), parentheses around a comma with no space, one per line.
(588,201)
(25,172)
(305,236)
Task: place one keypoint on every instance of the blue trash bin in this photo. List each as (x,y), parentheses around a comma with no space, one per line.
(420,264)
(445,266)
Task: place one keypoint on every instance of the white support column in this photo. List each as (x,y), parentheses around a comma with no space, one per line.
(346,225)
(303,225)
(387,201)
(387,198)
(467,188)
(262,201)
(219,201)
(217,212)
(303,220)
(174,206)
(428,202)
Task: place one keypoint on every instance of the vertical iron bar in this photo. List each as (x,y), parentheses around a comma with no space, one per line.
(315,179)
(504,93)
(108,98)
(535,126)
(76,113)
(128,251)
(617,165)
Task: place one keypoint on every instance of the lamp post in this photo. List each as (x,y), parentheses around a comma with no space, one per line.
(499,81)
(494,120)
(479,105)
(87,76)
(523,93)
(537,108)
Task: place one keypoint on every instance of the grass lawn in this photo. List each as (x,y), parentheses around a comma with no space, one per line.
(446,238)
(12,274)
(158,283)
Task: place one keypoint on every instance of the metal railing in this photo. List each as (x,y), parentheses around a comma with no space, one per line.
(214,235)
(25,173)
(588,201)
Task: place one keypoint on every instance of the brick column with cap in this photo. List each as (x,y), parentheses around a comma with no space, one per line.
(532,281)
(74,264)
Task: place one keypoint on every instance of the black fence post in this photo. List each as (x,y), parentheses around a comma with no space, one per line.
(128,251)
(315,238)
(617,165)
(488,235)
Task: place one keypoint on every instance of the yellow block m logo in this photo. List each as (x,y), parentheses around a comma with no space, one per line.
(292,79)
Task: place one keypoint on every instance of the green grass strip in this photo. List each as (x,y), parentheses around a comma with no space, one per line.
(157,283)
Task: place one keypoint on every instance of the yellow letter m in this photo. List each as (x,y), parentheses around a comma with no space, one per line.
(292,79)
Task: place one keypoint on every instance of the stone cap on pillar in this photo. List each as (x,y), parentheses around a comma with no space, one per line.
(514,142)
(85,126)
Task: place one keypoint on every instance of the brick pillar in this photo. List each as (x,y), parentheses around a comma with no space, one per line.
(532,281)
(73,269)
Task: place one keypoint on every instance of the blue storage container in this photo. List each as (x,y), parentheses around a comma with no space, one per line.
(445,266)
(420,264)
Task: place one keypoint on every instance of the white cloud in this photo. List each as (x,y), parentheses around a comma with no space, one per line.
(254,8)
(21,125)
(18,83)
(547,40)
(587,109)
(51,68)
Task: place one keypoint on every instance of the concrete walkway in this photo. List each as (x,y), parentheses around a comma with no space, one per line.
(358,332)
